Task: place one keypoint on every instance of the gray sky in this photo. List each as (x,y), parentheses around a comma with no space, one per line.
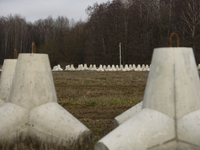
(33,10)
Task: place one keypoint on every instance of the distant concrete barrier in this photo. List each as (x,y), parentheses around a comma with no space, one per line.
(101,67)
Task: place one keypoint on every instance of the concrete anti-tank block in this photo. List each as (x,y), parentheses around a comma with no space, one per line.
(173,90)
(32,108)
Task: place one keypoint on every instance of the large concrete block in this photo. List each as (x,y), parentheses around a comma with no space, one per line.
(32,109)
(172,90)
(8,71)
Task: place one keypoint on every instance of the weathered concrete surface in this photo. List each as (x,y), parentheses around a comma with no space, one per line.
(172,93)
(189,128)
(32,108)
(8,71)
(2,102)
(159,91)
(33,82)
(146,129)
(13,123)
(53,123)
(127,114)
(187,85)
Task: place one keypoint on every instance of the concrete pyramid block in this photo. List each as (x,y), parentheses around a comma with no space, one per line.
(130,67)
(80,67)
(72,68)
(113,68)
(117,68)
(169,118)
(121,68)
(147,68)
(32,108)
(90,67)
(7,75)
(108,68)
(100,68)
(126,68)
(33,82)
(138,68)
(67,67)
(94,68)
(143,66)
(57,68)
(134,66)
(85,67)
(104,67)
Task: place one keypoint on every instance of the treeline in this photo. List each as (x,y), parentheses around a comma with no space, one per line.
(139,25)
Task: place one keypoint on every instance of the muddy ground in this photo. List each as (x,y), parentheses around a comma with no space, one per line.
(96,98)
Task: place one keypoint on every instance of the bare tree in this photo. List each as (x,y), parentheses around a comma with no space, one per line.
(6,28)
(191,17)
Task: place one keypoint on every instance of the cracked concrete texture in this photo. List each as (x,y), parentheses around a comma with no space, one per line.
(32,109)
(169,118)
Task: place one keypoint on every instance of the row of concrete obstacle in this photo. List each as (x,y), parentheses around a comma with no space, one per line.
(82,67)
(127,67)
(167,118)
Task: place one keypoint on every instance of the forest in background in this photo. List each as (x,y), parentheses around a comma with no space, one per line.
(139,25)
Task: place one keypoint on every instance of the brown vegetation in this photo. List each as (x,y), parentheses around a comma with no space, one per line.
(96,98)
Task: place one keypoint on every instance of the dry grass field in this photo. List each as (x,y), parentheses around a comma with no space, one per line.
(95,99)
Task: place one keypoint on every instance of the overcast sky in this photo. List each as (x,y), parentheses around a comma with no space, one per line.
(33,10)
